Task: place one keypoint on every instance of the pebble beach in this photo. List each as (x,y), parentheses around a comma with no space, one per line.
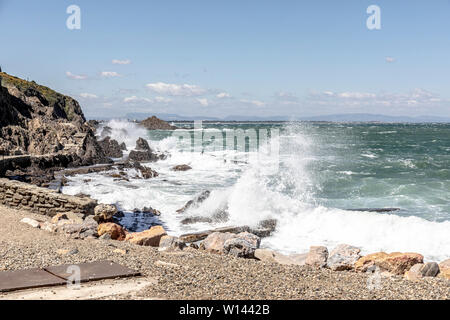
(194,274)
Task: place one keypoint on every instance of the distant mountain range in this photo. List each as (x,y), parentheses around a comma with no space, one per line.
(353,117)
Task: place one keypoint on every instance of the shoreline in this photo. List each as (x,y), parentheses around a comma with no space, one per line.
(194,274)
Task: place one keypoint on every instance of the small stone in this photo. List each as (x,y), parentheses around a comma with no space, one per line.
(317,256)
(182,167)
(120,251)
(30,222)
(430,269)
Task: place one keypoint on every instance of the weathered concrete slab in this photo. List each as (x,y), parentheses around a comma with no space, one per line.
(28,279)
(95,271)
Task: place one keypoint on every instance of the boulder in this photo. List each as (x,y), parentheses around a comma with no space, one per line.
(420,270)
(395,263)
(87,229)
(31,222)
(243,245)
(149,237)
(105,212)
(317,256)
(169,243)
(111,148)
(215,241)
(49,227)
(181,167)
(343,257)
(198,236)
(115,231)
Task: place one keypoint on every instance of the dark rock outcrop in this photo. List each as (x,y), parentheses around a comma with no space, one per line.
(195,202)
(182,167)
(153,123)
(111,148)
(39,121)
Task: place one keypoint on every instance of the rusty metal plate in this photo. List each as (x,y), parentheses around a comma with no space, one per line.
(94,271)
(27,279)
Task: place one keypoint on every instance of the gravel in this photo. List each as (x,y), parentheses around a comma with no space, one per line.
(193,274)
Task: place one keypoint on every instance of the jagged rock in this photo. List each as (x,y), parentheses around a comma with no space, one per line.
(317,256)
(123,146)
(395,263)
(146,172)
(343,257)
(111,148)
(195,202)
(142,144)
(106,132)
(37,120)
(153,123)
(181,167)
(105,212)
(142,156)
(149,237)
(115,231)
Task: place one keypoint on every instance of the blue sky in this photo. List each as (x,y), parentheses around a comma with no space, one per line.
(247,57)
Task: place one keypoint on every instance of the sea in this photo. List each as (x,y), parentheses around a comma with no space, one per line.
(313,178)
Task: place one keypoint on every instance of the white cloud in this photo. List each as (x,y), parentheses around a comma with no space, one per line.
(203,102)
(88,96)
(176,89)
(223,95)
(416,97)
(135,99)
(72,76)
(115,61)
(109,74)
(253,102)
(390,59)
(163,99)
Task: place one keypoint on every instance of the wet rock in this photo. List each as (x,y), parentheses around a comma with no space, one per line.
(104,212)
(317,256)
(111,148)
(142,144)
(123,146)
(142,156)
(115,231)
(182,167)
(169,243)
(149,237)
(343,257)
(395,263)
(195,202)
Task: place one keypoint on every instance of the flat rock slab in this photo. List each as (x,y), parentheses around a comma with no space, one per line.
(99,270)
(59,275)
(28,279)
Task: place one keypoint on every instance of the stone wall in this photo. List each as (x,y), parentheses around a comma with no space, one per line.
(24,196)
